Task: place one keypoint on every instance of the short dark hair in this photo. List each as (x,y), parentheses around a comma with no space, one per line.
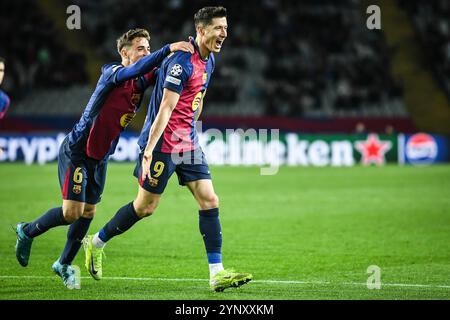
(127,38)
(205,15)
(2,59)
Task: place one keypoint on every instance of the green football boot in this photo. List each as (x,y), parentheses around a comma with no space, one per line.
(228,279)
(94,257)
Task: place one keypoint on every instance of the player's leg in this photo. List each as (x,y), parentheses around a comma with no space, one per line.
(144,205)
(63,267)
(68,213)
(77,231)
(196,177)
(70,210)
(209,222)
(211,231)
(72,180)
(96,173)
(146,201)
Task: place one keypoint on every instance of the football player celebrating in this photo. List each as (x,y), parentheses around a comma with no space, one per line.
(169,144)
(84,153)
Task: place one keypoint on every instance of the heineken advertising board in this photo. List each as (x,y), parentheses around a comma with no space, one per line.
(302,150)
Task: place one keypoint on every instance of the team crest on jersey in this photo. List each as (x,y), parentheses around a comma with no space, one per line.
(176,70)
(153,182)
(197,100)
(135,98)
(126,119)
(76,189)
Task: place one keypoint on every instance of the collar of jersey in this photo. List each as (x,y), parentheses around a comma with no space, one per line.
(194,43)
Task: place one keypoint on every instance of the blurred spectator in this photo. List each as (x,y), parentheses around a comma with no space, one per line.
(360,128)
(288,58)
(389,129)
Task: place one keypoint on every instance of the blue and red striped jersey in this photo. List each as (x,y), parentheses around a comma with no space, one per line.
(112,106)
(189,75)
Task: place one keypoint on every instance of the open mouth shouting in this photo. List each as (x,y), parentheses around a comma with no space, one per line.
(218,44)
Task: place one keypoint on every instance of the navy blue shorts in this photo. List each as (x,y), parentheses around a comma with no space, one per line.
(80,178)
(189,166)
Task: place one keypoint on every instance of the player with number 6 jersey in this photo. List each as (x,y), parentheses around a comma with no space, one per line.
(84,153)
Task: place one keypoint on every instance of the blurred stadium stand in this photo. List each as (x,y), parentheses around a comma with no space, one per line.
(309,64)
(35,57)
(431,21)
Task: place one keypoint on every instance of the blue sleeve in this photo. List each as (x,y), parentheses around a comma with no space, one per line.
(213,63)
(209,71)
(178,73)
(149,79)
(4,103)
(141,67)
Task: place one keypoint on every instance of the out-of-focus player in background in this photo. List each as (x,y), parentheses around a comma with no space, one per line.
(169,144)
(4,99)
(83,155)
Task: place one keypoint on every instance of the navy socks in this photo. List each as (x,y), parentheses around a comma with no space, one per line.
(211,232)
(52,218)
(124,219)
(75,235)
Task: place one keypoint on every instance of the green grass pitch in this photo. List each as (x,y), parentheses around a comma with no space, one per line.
(305,233)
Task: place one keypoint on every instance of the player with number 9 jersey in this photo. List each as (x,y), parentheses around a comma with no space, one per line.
(187,75)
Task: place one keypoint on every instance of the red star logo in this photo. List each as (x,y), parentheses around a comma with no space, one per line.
(373,150)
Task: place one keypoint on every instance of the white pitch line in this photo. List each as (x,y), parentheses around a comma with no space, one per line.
(254,281)
(402,285)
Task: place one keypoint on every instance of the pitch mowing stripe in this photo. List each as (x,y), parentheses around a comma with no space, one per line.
(254,281)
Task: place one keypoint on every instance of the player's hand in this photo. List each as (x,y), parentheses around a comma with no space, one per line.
(146,162)
(182,46)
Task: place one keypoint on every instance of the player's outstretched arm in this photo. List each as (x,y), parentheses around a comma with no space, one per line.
(148,63)
(168,104)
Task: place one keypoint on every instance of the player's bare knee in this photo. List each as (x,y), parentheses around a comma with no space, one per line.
(72,214)
(88,213)
(209,202)
(146,210)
